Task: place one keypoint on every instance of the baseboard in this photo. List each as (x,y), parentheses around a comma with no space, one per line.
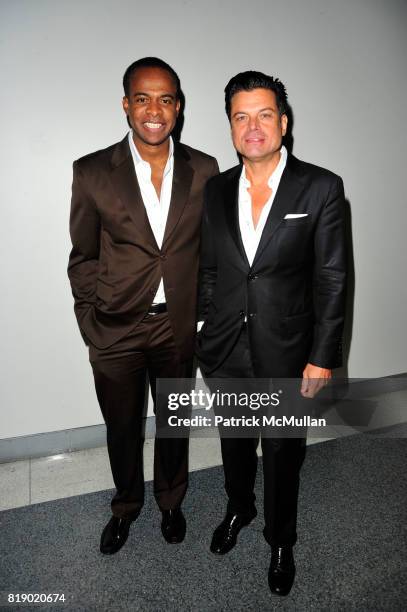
(57,442)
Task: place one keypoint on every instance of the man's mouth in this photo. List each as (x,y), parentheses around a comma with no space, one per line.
(255,138)
(151,125)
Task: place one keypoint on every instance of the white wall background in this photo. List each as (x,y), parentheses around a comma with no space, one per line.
(344,65)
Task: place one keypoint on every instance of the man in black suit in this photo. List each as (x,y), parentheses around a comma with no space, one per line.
(272,295)
(135,228)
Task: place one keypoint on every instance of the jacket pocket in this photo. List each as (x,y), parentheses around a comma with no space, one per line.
(296,221)
(298,322)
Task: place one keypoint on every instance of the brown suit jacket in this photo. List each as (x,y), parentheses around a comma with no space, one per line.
(115,264)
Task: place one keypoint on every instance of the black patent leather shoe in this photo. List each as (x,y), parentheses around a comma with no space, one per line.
(114,535)
(173,526)
(282,570)
(225,536)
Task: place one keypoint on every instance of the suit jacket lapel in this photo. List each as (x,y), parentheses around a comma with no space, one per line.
(290,187)
(181,187)
(231,198)
(125,182)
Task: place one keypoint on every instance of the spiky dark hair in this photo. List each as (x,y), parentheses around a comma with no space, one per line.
(246,81)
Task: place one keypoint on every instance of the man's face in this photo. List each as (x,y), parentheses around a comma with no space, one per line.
(151,107)
(257,127)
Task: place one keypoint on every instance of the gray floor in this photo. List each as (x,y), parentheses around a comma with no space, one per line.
(350,554)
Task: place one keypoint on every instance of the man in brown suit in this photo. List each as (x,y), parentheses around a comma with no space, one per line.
(135,220)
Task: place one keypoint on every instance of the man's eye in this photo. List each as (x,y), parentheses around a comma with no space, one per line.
(265,116)
(141,99)
(240,118)
(166,101)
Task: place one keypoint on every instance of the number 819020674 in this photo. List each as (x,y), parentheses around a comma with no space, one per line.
(35,597)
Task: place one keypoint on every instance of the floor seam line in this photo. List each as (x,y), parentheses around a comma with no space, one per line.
(29,482)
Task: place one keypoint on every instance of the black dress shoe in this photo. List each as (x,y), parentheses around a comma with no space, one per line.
(282,570)
(114,535)
(173,526)
(225,536)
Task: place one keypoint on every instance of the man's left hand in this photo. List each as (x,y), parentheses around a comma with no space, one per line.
(314,379)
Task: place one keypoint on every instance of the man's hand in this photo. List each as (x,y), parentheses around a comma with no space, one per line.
(314,379)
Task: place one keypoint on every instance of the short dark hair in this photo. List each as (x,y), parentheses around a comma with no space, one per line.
(246,81)
(150,62)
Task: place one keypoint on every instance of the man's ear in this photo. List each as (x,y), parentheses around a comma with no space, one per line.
(177,106)
(284,124)
(125,104)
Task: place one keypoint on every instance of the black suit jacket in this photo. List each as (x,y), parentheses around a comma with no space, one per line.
(115,265)
(294,293)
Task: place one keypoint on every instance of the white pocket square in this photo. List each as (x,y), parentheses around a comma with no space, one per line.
(295,215)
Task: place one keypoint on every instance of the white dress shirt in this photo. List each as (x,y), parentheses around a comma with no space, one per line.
(156,208)
(251,235)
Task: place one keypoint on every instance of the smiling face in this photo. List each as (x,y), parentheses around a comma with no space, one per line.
(151,106)
(257,127)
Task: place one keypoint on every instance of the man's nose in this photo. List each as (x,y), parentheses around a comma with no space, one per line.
(153,108)
(253,122)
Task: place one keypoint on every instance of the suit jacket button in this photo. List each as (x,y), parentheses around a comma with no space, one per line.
(163,257)
(252,277)
(241,313)
(252,315)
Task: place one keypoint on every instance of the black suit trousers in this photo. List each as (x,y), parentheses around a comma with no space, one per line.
(282,461)
(120,374)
